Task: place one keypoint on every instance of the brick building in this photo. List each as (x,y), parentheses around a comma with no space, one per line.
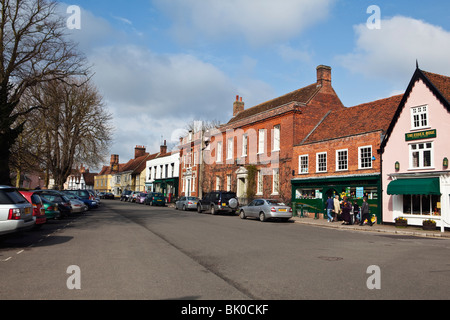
(340,156)
(255,148)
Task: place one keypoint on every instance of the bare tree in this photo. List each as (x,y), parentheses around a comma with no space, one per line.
(33,50)
(73,124)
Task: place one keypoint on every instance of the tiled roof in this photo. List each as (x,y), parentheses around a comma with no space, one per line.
(367,117)
(441,83)
(302,95)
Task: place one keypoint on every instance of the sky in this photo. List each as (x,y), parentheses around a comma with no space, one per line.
(161,64)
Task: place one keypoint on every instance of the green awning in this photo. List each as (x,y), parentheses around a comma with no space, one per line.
(415,186)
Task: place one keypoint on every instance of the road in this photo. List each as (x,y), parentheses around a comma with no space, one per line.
(131,251)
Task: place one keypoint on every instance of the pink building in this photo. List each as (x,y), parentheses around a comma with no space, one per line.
(415,172)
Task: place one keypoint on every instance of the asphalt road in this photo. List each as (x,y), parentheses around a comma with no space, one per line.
(131,251)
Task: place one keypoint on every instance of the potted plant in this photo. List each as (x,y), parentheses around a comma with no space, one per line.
(429,224)
(401,222)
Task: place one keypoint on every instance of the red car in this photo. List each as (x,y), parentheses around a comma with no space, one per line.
(38,207)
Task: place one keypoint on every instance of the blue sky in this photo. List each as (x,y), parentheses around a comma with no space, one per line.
(163,63)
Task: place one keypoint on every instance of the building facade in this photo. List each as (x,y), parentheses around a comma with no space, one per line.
(416,176)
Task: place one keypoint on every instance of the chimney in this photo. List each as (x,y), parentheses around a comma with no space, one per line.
(139,151)
(323,76)
(238,106)
(163,148)
(114,163)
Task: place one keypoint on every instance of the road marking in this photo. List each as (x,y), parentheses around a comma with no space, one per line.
(20,251)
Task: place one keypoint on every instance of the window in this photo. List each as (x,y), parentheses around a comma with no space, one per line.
(261,140)
(228,182)
(230,148)
(219,152)
(217,183)
(259,186)
(341,160)
(420,204)
(276,181)
(244,145)
(419,117)
(303,164)
(421,155)
(321,162)
(276,138)
(365,157)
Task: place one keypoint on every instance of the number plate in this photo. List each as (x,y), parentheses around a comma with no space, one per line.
(27,210)
(282,210)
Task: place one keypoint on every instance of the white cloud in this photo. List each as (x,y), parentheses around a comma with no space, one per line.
(258,21)
(391,52)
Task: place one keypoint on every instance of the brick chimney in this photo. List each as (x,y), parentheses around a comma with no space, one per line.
(114,162)
(163,148)
(323,76)
(139,151)
(238,106)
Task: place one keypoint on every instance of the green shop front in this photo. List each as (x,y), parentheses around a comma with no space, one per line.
(309,195)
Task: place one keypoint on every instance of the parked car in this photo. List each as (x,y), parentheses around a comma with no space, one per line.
(133,195)
(155,199)
(94,196)
(218,201)
(265,209)
(84,196)
(38,207)
(77,204)
(51,209)
(108,195)
(58,197)
(140,198)
(125,195)
(16,213)
(186,203)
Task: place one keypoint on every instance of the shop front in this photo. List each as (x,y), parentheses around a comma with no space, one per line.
(310,195)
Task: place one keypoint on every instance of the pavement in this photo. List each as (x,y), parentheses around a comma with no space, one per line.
(381,228)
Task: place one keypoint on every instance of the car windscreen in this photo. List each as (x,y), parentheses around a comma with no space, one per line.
(11,196)
(158,195)
(275,202)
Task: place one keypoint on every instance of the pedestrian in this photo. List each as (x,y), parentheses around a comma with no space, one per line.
(346,209)
(356,211)
(365,213)
(330,208)
(337,208)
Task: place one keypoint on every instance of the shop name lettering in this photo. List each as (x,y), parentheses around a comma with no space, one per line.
(421,135)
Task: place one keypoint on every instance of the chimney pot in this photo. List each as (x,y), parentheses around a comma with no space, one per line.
(238,106)
(323,75)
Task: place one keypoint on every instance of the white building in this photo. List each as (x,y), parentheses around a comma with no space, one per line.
(162,174)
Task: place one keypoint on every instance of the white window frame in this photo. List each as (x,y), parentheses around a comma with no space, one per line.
(421,153)
(259,183)
(228,182)
(276,137)
(318,154)
(301,169)
(360,160)
(230,145)
(275,181)
(219,151)
(218,183)
(261,140)
(420,118)
(244,144)
(338,160)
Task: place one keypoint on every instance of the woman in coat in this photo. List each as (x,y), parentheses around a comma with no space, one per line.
(346,209)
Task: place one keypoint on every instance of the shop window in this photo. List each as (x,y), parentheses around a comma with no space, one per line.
(308,193)
(421,155)
(421,204)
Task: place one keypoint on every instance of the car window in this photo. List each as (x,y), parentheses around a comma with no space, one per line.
(259,202)
(11,196)
(228,195)
(190,198)
(275,202)
(35,199)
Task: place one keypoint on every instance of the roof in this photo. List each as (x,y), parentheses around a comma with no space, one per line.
(363,118)
(439,86)
(303,95)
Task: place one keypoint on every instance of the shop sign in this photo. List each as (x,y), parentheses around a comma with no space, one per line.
(421,135)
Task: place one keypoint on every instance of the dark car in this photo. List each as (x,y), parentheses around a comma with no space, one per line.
(125,195)
(218,201)
(108,195)
(84,196)
(155,199)
(63,202)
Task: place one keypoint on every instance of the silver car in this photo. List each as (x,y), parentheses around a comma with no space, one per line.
(186,203)
(265,209)
(16,213)
(76,203)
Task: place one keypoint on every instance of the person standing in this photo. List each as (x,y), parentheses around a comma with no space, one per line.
(365,213)
(346,209)
(337,207)
(330,208)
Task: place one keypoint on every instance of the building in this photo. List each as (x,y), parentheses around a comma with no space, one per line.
(162,173)
(416,176)
(80,179)
(340,157)
(103,182)
(252,154)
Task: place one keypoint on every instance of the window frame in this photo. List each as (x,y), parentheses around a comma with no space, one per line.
(360,159)
(421,153)
(300,171)
(338,160)
(420,112)
(318,154)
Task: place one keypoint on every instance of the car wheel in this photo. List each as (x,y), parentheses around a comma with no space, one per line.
(213,210)
(262,217)
(199,209)
(242,214)
(184,207)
